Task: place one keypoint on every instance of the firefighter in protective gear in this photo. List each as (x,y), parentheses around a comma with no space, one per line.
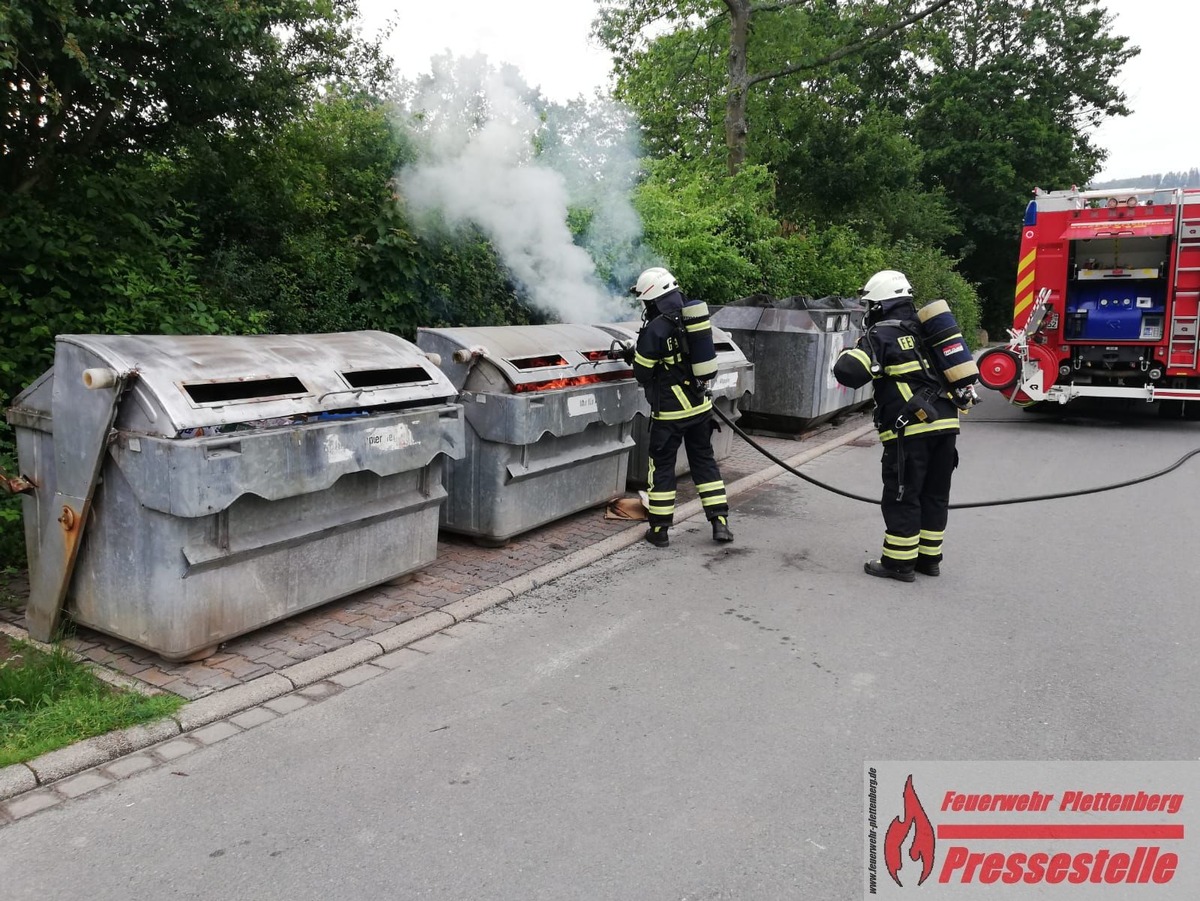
(917,423)
(673,361)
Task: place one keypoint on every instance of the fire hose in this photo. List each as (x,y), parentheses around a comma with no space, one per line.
(962,506)
(619,349)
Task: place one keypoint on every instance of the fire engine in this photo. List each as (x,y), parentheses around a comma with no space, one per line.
(1108,287)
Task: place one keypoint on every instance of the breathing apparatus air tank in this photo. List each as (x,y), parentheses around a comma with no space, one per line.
(698,334)
(946,347)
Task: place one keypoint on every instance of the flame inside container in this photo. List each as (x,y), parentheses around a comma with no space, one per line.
(573,381)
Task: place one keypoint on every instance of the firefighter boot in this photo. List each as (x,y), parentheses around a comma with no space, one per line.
(928,566)
(721,529)
(878,568)
(657,536)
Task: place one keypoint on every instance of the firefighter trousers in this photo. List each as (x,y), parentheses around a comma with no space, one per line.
(695,433)
(915,520)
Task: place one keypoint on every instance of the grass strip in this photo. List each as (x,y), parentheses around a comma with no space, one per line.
(49,700)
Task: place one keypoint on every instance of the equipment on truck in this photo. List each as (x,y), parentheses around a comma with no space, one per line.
(1107,301)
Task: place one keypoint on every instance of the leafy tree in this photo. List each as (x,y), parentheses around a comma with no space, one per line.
(820,32)
(93,82)
(720,236)
(838,155)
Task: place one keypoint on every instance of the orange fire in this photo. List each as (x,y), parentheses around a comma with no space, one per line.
(573,381)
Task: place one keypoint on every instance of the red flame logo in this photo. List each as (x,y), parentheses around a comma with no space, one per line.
(922,844)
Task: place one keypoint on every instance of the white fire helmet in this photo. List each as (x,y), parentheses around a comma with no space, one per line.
(654,283)
(887,284)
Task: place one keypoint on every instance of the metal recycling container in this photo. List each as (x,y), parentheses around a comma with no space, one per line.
(842,319)
(733,382)
(549,425)
(206,486)
(793,343)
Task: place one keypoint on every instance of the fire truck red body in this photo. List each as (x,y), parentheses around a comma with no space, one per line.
(1107,301)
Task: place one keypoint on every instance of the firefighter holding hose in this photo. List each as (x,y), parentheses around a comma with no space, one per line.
(923,375)
(673,361)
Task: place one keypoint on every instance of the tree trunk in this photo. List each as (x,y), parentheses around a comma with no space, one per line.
(739,83)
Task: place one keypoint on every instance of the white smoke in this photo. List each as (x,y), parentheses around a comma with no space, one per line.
(479,131)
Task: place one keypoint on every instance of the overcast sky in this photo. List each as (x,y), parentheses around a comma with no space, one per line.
(547,40)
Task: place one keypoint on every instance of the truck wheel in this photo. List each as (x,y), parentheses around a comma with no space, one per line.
(1170,409)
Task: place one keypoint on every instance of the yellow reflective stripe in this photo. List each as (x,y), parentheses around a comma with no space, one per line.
(660,511)
(661,495)
(903,368)
(644,361)
(919,428)
(684,403)
(1025,280)
(938,425)
(861,356)
(961,371)
(905,391)
(698,326)
(1025,283)
(711,486)
(685,414)
(702,369)
(899,540)
(695,310)
(932,536)
(900,555)
(713,501)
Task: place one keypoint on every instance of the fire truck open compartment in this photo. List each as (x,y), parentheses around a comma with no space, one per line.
(188,489)
(1115,305)
(549,425)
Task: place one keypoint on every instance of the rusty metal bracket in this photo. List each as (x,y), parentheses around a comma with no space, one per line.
(17,484)
(81,437)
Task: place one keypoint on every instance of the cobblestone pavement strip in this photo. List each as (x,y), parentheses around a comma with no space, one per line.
(461,582)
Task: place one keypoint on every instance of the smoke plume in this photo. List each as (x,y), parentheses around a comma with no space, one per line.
(495,154)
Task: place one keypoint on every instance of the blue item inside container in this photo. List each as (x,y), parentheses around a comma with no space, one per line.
(1115,311)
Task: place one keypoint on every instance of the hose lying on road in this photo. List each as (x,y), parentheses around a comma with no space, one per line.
(967,506)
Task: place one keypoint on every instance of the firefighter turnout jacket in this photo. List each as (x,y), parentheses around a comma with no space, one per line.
(910,396)
(674,358)
(670,375)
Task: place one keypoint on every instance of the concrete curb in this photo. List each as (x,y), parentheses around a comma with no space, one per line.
(15,780)
(57,765)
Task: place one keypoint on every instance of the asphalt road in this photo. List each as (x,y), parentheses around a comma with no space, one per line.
(692,723)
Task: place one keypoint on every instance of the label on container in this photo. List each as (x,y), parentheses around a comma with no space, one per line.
(336,450)
(724,380)
(582,404)
(392,438)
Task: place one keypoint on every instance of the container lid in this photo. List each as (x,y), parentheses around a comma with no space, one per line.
(188,382)
(526,355)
